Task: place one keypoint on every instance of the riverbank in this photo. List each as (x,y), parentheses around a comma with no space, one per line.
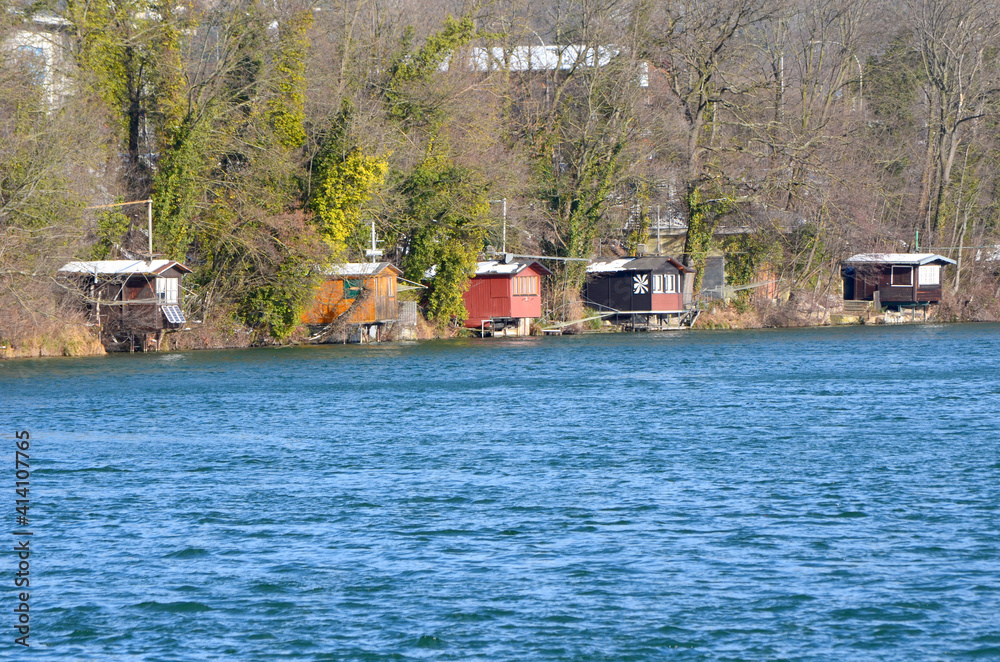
(73,338)
(806,310)
(58,340)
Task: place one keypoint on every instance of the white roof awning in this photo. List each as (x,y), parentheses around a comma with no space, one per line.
(914,259)
(122,267)
(360,269)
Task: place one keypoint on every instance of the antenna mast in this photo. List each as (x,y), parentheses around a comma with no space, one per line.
(373,252)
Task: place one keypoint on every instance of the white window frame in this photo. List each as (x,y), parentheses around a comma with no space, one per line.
(929,274)
(892,275)
(525,286)
(664,284)
(168,290)
(670,283)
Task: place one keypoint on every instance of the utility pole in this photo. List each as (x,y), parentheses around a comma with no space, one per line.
(149,218)
(505,225)
(658,250)
(373,252)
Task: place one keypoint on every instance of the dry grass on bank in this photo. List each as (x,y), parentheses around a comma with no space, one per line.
(979,301)
(799,310)
(26,335)
(719,315)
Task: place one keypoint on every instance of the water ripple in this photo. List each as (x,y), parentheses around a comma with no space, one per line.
(802,495)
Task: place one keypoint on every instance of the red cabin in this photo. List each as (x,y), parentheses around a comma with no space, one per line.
(503,298)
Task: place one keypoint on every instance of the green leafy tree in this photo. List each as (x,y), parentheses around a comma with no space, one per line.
(443,204)
(112,226)
(129,55)
(446,213)
(287,107)
(577,136)
(409,94)
(179,187)
(227,188)
(275,307)
(703,218)
(344,182)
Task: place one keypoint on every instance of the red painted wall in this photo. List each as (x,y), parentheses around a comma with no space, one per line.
(527,306)
(491,296)
(672,302)
(480,302)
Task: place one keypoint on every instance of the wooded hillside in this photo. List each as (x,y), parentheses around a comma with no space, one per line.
(270,135)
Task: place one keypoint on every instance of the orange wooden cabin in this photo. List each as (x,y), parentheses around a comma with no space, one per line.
(356,293)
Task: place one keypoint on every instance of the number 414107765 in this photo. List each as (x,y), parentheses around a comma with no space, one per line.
(23,474)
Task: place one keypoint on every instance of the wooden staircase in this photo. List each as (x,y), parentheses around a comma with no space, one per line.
(689,318)
(859,308)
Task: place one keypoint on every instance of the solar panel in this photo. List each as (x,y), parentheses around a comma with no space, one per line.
(173,314)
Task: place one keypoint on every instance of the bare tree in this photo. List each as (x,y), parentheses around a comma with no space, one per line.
(957,43)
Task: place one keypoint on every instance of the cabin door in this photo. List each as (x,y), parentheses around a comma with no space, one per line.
(849,285)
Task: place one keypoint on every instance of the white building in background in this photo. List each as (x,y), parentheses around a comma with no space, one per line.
(540,58)
(40,45)
(548,57)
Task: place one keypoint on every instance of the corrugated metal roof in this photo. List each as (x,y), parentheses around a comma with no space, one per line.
(633,264)
(897,258)
(124,267)
(349,269)
(494,267)
(607,266)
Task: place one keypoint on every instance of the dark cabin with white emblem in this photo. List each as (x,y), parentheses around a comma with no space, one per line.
(657,286)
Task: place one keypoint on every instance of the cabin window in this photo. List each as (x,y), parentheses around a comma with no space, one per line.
(352,288)
(167,290)
(525,286)
(664,283)
(929,274)
(902,276)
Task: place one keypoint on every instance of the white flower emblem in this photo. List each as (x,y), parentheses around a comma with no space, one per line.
(640,284)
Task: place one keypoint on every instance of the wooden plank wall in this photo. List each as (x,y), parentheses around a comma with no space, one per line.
(377,302)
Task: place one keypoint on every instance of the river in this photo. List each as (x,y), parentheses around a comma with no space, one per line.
(817,494)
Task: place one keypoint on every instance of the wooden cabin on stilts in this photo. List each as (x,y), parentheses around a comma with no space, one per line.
(356,302)
(133,302)
(895,280)
(505,297)
(647,293)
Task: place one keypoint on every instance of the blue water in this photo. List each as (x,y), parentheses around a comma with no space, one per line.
(824,494)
